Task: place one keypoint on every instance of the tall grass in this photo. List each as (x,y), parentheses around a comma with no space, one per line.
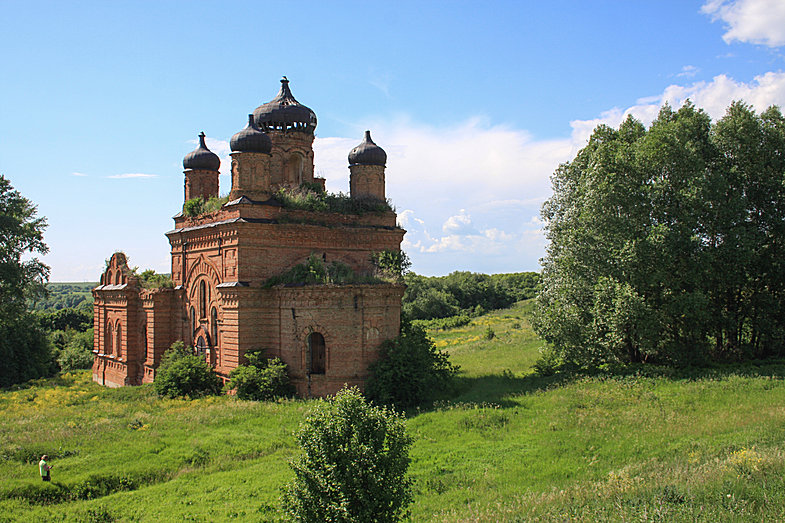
(507,445)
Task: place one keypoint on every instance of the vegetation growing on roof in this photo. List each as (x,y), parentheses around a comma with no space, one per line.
(311,197)
(150,279)
(315,271)
(199,206)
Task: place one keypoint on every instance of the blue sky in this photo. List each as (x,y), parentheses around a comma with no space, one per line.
(476,104)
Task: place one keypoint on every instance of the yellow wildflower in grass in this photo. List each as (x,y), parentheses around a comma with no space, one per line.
(745,462)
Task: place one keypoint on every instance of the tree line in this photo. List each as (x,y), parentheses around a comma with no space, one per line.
(464,293)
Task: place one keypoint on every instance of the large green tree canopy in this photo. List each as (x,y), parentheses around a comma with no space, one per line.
(666,243)
(24,351)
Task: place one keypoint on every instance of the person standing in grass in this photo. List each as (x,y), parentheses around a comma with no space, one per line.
(44,468)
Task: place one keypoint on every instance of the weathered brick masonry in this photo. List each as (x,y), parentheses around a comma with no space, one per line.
(327,334)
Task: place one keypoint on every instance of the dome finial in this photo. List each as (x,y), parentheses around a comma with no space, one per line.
(367,153)
(202,157)
(284,113)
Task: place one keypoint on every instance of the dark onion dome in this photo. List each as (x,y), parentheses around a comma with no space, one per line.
(367,153)
(284,113)
(202,158)
(251,140)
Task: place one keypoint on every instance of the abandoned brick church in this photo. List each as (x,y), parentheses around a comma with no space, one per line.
(222,301)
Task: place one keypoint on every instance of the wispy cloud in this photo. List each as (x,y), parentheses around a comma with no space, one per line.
(688,71)
(78,174)
(751,21)
(381,81)
(132,175)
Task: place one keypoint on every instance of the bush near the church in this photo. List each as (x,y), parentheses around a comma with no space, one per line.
(410,370)
(183,373)
(353,466)
(261,379)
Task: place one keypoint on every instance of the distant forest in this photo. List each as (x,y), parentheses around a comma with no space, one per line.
(427,297)
(465,294)
(65,296)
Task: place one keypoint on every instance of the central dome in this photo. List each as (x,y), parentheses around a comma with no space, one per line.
(284,113)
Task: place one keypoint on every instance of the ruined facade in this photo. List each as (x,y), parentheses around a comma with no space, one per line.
(222,301)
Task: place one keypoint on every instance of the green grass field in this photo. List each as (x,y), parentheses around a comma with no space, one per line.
(505,446)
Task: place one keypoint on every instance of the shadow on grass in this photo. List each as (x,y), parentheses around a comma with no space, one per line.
(499,388)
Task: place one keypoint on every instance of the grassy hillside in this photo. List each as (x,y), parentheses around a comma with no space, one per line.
(505,446)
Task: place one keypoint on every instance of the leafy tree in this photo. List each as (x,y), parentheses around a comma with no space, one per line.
(24,349)
(72,349)
(183,373)
(666,243)
(79,319)
(410,370)
(354,463)
(261,379)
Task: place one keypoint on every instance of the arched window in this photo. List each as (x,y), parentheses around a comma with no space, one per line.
(214,326)
(117,278)
(317,353)
(118,340)
(202,299)
(294,170)
(143,337)
(108,340)
(201,345)
(193,320)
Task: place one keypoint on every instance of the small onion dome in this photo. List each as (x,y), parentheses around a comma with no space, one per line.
(251,140)
(284,113)
(367,153)
(202,158)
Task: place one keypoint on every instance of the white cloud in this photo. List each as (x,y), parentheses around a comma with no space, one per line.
(78,174)
(132,175)
(751,21)
(461,223)
(714,97)
(471,194)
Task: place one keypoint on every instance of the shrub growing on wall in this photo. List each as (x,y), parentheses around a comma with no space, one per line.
(262,379)
(183,373)
(354,463)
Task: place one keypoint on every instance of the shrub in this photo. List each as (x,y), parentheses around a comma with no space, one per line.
(354,463)
(489,333)
(262,379)
(450,322)
(198,206)
(74,357)
(183,373)
(410,370)
(391,265)
(150,279)
(549,362)
(314,271)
